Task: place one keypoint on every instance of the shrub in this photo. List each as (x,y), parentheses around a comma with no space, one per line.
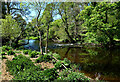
(66,62)
(33,54)
(4,57)
(3,53)
(21,47)
(15,55)
(57,56)
(29,51)
(53,61)
(19,63)
(6,48)
(43,58)
(40,59)
(47,58)
(10,52)
(69,75)
(58,64)
(17,48)
(25,51)
(22,68)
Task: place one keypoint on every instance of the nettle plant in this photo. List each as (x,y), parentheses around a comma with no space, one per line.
(25,51)
(68,74)
(44,58)
(10,52)
(33,54)
(6,48)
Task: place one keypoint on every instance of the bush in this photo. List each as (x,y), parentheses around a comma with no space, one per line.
(53,61)
(19,63)
(4,57)
(43,58)
(3,53)
(29,51)
(21,47)
(58,64)
(6,48)
(33,54)
(57,56)
(40,59)
(69,75)
(66,62)
(22,68)
(10,52)
(25,51)
(17,48)
(15,55)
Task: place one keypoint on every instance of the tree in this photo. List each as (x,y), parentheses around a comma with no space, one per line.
(10,29)
(38,6)
(63,10)
(22,24)
(101,22)
(69,12)
(14,8)
(47,19)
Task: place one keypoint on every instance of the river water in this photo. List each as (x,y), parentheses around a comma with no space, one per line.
(92,59)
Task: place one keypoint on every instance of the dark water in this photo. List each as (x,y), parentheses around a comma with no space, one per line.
(92,59)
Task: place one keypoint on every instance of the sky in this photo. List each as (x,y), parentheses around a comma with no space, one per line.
(33,14)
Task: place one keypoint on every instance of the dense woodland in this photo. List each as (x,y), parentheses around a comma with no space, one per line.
(83,23)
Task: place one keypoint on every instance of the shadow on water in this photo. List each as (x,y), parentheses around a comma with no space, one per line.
(92,59)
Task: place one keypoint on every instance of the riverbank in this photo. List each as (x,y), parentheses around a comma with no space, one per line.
(49,65)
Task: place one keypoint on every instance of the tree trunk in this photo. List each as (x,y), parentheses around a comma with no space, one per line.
(75,31)
(40,42)
(66,30)
(112,42)
(47,39)
(10,42)
(8,8)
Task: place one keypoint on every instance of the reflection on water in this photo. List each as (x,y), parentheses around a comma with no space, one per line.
(104,61)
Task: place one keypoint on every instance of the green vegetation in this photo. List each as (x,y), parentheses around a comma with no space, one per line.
(3,53)
(87,24)
(44,58)
(33,54)
(25,51)
(10,52)
(22,68)
(6,48)
(72,76)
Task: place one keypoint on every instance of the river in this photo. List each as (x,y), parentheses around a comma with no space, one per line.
(92,59)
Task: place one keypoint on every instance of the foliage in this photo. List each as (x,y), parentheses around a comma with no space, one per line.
(66,62)
(10,52)
(33,54)
(19,63)
(4,57)
(101,21)
(69,75)
(3,53)
(22,68)
(10,28)
(6,48)
(57,56)
(21,47)
(58,64)
(25,51)
(44,58)
(15,55)
(29,51)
